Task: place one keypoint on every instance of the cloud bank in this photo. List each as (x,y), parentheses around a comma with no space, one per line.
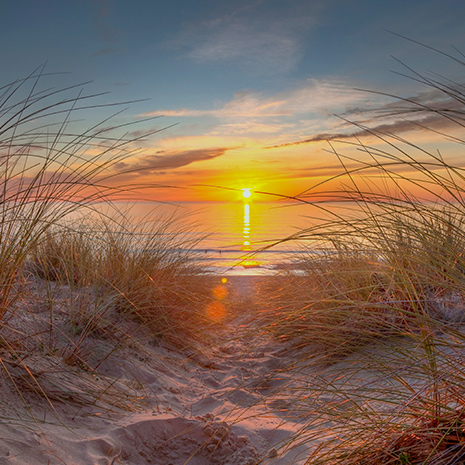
(317,97)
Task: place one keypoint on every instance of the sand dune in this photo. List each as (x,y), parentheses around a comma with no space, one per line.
(147,402)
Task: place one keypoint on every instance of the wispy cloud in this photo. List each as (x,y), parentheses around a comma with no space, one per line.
(318,97)
(274,48)
(420,112)
(164,161)
(250,129)
(254,36)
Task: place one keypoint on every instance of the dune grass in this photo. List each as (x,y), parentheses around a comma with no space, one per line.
(144,268)
(378,310)
(74,291)
(46,169)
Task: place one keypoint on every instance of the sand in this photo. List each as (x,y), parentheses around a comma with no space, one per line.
(243,397)
(145,402)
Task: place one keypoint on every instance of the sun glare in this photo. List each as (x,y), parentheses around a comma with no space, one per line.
(246,193)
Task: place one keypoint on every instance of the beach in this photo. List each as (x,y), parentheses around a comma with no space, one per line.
(146,401)
(80,389)
(134,358)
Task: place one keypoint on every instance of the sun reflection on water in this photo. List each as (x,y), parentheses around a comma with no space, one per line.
(246,229)
(247,244)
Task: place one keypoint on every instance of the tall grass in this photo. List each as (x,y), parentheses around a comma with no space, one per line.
(48,168)
(154,278)
(381,309)
(146,270)
(70,290)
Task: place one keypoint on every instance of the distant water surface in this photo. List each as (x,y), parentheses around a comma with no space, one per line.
(237,238)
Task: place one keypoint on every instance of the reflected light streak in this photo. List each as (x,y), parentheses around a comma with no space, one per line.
(246,214)
(246,228)
(246,242)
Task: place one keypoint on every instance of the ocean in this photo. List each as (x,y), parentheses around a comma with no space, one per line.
(245,238)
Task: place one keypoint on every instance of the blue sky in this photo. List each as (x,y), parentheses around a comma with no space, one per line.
(235,76)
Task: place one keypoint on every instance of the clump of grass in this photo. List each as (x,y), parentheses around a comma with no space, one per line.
(47,169)
(67,286)
(149,271)
(386,275)
(144,268)
(65,256)
(386,301)
(337,304)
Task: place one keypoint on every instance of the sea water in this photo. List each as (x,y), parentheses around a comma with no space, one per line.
(245,238)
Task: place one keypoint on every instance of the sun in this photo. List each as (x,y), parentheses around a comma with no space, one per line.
(246,193)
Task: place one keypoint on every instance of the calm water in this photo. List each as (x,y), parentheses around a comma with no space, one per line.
(235,234)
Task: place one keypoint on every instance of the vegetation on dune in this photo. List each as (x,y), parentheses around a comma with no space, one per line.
(146,271)
(70,289)
(381,305)
(47,170)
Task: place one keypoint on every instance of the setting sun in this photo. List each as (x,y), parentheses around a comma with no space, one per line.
(246,193)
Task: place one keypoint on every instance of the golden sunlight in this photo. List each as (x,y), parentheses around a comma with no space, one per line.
(246,193)
(246,228)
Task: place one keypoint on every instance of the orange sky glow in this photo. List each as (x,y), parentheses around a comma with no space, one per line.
(219,170)
(225,96)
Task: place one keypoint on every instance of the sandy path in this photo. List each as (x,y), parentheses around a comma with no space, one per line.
(222,406)
(236,402)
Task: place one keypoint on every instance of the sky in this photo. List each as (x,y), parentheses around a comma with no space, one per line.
(241,94)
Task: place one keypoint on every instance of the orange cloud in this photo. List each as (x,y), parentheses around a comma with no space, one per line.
(169,160)
(295,124)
